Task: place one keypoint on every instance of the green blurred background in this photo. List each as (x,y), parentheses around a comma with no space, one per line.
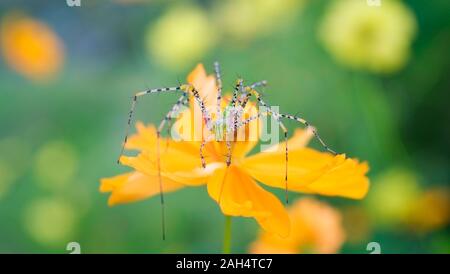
(375,83)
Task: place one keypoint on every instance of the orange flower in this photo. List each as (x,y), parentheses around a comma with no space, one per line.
(315,227)
(235,188)
(30,47)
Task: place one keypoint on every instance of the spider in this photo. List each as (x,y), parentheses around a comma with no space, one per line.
(224,128)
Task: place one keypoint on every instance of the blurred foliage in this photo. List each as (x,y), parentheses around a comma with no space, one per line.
(59,136)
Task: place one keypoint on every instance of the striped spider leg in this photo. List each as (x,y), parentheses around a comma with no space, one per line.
(298,119)
(133,106)
(235,111)
(277,117)
(219,92)
(158,161)
(187,90)
(246,94)
(250,90)
(182,101)
(217,127)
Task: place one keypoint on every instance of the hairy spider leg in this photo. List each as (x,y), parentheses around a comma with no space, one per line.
(276,116)
(247,94)
(130,118)
(186,89)
(235,115)
(219,92)
(313,129)
(298,119)
(133,106)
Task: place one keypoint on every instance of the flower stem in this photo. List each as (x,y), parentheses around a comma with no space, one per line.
(227,235)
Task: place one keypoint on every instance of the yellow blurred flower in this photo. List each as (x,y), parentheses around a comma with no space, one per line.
(30,47)
(50,221)
(55,164)
(181,37)
(309,171)
(405,203)
(431,211)
(366,37)
(246,19)
(392,195)
(315,228)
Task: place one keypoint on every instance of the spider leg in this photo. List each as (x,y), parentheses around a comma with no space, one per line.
(205,115)
(202,147)
(169,122)
(186,90)
(133,106)
(285,133)
(174,109)
(219,90)
(246,94)
(295,118)
(161,195)
(277,116)
(169,116)
(237,88)
(228,161)
(130,117)
(313,129)
(234,117)
(184,98)
(228,136)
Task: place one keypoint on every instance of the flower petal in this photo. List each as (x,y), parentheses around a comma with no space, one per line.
(205,85)
(315,226)
(299,140)
(239,195)
(180,167)
(134,186)
(145,138)
(311,171)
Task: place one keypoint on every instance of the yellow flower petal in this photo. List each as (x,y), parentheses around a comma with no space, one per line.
(239,195)
(205,85)
(310,171)
(144,139)
(180,160)
(181,167)
(315,227)
(135,186)
(299,140)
